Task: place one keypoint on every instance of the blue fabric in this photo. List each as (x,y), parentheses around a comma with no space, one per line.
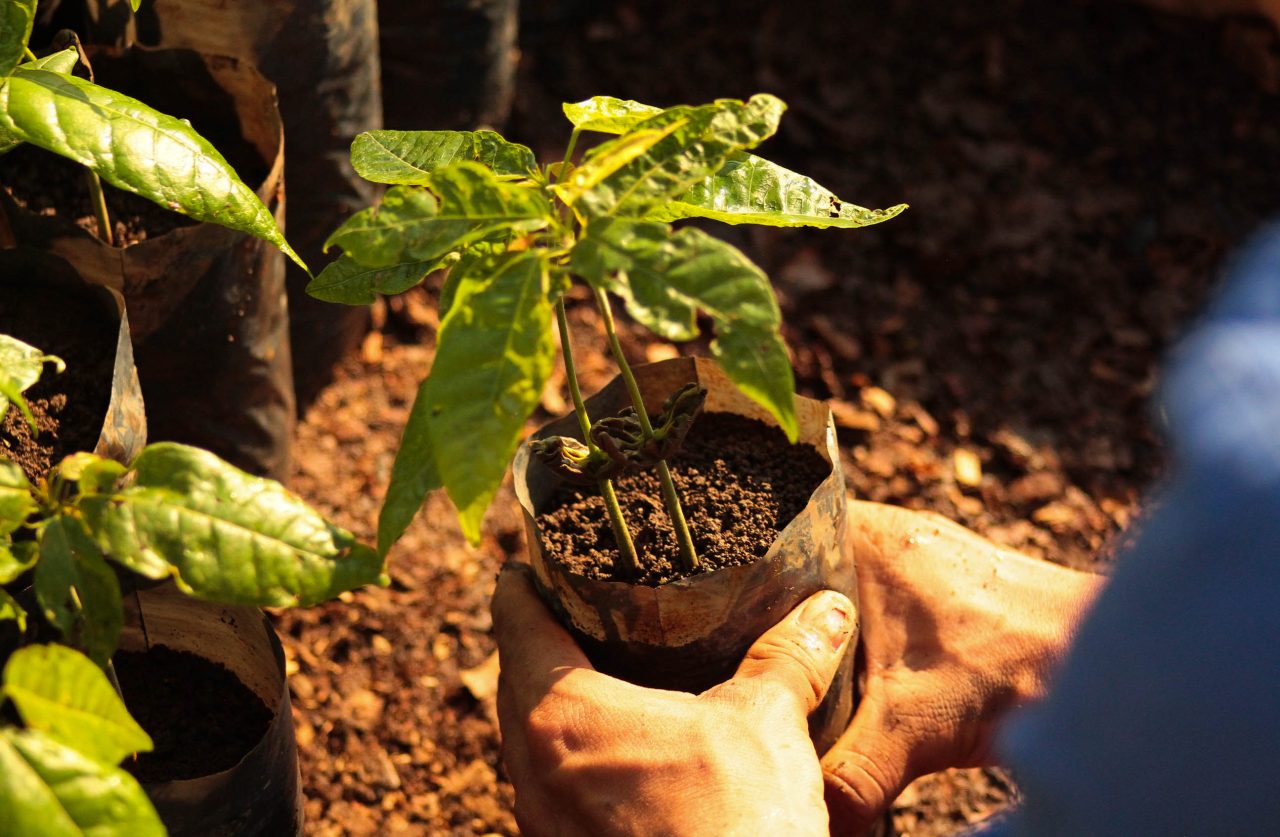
(1165,719)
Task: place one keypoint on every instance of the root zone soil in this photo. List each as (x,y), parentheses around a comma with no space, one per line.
(201,718)
(740,483)
(1076,172)
(70,407)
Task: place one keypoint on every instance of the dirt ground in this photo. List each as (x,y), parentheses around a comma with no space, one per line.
(1077,172)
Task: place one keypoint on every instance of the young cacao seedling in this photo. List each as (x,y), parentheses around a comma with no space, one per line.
(117,138)
(515,236)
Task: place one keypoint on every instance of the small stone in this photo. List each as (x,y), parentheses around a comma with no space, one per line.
(968,467)
(482,680)
(879,400)
(851,418)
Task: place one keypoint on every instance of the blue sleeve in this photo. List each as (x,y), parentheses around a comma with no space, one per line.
(1165,719)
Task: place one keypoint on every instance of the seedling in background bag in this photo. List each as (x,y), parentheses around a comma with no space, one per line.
(117,138)
(515,236)
(174,512)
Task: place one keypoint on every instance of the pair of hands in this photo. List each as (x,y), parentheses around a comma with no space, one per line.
(956,632)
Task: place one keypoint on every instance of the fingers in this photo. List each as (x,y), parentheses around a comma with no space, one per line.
(532,647)
(863,773)
(799,656)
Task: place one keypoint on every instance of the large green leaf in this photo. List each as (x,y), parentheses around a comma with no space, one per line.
(16,502)
(666,277)
(78,593)
(413,225)
(49,789)
(494,354)
(666,154)
(608,115)
(408,158)
(64,695)
(349,282)
(20,367)
(16,19)
(133,147)
(751,190)
(225,535)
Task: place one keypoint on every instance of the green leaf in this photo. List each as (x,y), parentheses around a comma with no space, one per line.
(77,592)
(225,535)
(135,4)
(666,154)
(16,19)
(62,61)
(494,354)
(751,190)
(608,115)
(62,693)
(49,789)
(409,158)
(11,610)
(93,474)
(16,558)
(16,502)
(135,148)
(666,277)
(412,225)
(348,282)
(20,368)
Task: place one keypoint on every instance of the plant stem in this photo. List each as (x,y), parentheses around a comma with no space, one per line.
(99,206)
(621,534)
(688,554)
(568,152)
(115,681)
(31,56)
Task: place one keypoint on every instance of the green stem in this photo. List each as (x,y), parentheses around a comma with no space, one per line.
(688,554)
(115,681)
(568,152)
(99,206)
(621,533)
(31,56)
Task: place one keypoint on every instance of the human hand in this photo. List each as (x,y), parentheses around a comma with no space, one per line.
(956,632)
(589,754)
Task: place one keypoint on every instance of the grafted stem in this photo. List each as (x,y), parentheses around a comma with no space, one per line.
(688,554)
(621,534)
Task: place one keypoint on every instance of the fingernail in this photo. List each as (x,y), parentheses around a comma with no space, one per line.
(830,614)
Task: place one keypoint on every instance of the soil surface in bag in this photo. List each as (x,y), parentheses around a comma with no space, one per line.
(47,184)
(69,408)
(740,483)
(201,718)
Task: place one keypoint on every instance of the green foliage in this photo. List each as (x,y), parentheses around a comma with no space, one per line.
(514,236)
(20,368)
(64,695)
(50,789)
(408,158)
(78,593)
(224,535)
(16,20)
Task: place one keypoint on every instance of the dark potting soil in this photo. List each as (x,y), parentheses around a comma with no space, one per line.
(69,408)
(47,184)
(740,483)
(199,715)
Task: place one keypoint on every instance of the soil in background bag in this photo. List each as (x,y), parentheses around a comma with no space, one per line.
(206,304)
(94,405)
(322,56)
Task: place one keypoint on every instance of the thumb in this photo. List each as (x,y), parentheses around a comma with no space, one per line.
(864,771)
(798,657)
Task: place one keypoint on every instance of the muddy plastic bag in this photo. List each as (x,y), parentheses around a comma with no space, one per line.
(691,634)
(261,794)
(29,277)
(207,304)
(322,56)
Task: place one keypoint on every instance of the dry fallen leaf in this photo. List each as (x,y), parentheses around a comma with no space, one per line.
(482,680)
(879,400)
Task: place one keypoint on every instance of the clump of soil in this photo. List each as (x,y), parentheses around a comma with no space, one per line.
(47,184)
(69,408)
(201,718)
(740,482)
